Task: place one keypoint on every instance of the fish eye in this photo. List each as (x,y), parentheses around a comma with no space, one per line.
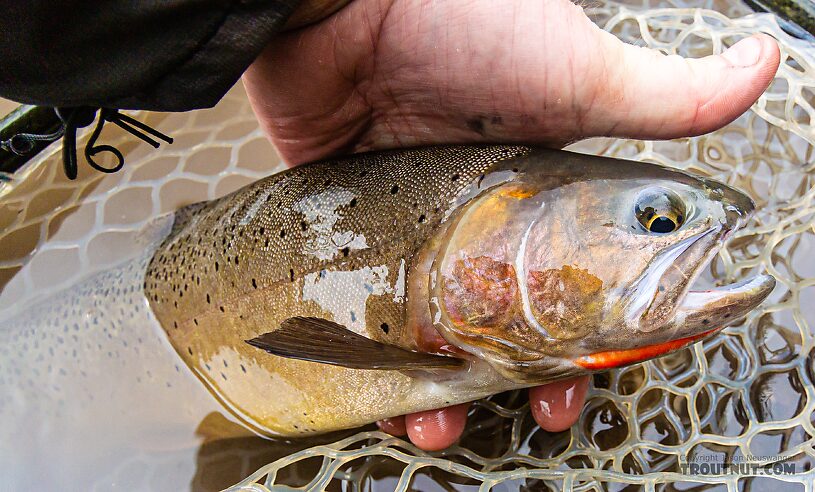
(660,211)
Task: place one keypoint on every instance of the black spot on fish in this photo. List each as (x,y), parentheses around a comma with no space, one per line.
(221,308)
(261,230)
(195,320)
(345,251)
(422,219)
(243,368)
(705,321)
(282,235)
(353,202)
(476,125)
(394,189)
(189,349)
(303,225)
(208,299)
(385,328)
(291,275)
(216,266)
(363,173)
(254,283)
(455,177)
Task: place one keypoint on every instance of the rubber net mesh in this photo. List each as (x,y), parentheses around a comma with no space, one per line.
(746,395)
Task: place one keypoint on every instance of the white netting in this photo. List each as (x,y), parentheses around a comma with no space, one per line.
(61,230)
(746,392)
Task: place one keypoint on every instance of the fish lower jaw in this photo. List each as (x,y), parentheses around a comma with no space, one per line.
(738,296)
(700,314)
(700,310)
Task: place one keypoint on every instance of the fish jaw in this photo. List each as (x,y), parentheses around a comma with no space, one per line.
(701,315)
(700,310)
(724,305)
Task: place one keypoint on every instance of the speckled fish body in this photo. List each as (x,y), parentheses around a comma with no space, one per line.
(529,264)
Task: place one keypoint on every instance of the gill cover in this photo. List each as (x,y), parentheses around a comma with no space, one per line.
(479,274)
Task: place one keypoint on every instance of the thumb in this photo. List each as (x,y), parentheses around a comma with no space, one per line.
(657,96)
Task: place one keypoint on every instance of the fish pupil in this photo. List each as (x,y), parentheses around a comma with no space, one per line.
(662,225)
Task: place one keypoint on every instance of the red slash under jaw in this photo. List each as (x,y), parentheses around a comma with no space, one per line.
(617,358)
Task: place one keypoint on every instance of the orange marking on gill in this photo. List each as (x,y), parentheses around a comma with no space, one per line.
(479,292)
(617,358)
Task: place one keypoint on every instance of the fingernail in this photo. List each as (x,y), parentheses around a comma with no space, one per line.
(745,53)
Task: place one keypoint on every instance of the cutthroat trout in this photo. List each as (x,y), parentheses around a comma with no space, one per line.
(342,292)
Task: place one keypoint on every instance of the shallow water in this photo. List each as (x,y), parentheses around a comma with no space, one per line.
(92,396)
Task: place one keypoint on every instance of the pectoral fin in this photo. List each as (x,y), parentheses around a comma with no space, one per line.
(320,340)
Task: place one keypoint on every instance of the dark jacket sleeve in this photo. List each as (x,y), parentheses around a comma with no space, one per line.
(160,55)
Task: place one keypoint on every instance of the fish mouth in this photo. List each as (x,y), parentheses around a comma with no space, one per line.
(701,314)
(677,315)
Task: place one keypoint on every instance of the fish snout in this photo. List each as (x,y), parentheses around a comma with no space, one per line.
(738,206)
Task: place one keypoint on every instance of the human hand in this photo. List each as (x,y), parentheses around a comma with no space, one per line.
(399,73)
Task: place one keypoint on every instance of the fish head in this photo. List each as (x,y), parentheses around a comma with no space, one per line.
(572,264)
